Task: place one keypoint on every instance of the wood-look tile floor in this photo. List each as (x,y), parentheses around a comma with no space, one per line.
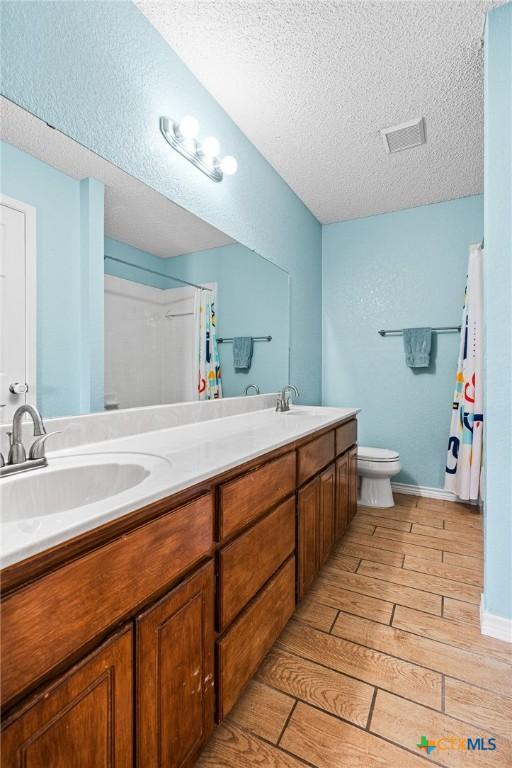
(385,649)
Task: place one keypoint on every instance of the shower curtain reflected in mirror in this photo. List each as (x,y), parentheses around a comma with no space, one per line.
(207,373)
(465,444)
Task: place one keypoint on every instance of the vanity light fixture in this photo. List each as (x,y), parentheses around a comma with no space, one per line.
(204,155)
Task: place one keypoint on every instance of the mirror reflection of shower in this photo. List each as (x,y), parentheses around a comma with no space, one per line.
(150,341)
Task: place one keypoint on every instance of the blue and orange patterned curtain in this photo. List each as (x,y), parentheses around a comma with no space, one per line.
(465,444)
(207,364)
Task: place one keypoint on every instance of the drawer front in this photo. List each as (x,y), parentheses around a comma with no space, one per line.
(252,494)
(346,435)
(48,620)
(315,455)
(245,644)
(249,561)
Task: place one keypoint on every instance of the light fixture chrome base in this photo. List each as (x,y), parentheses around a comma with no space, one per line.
(171,134)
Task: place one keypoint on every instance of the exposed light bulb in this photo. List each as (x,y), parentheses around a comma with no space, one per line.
(210,147)
(229,165)
(189,127)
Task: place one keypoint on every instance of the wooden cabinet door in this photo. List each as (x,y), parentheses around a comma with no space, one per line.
(342,501)
(352,482)
(83,719)
(308,511)
(174,657)
(326,514)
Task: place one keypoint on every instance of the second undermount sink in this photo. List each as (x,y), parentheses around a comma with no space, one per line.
(72,482)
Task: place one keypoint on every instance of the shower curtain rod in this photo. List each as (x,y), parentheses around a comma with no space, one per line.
(154,272)
(399,331)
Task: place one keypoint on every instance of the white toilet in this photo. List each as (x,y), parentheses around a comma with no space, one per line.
(376,467)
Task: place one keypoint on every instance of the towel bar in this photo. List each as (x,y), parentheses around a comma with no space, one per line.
(254,338)
(398,331)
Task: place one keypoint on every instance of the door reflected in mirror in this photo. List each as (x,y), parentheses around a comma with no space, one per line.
(127,300)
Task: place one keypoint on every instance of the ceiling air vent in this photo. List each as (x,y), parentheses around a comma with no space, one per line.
(404,136)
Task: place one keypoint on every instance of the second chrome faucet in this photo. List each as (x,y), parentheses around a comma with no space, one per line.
(283,402)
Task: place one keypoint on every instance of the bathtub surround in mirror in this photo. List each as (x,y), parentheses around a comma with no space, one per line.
(117,266)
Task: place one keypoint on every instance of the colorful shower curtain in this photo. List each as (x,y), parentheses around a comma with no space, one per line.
(464,462)
(207,376)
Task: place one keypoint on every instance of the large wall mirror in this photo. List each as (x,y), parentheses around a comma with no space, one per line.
(112,296)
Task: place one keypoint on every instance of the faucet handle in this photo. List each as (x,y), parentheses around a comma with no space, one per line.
(38,446)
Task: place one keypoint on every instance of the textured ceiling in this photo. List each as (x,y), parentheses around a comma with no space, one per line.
(134,213)
(311,83)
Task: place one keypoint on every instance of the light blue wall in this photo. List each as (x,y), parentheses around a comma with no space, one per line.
(253,300)
(397,270)
(99,72)
(65,255)
(498,303)
(127,252)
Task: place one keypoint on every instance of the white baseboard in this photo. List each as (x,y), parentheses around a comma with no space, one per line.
(427,492)
(495,626)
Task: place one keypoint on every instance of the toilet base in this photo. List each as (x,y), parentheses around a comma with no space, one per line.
(375,492)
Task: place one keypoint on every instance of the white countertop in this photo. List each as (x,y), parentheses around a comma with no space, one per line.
(162,462)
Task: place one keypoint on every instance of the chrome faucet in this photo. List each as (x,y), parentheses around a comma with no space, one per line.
(283,402)
(17,459)
(252,386)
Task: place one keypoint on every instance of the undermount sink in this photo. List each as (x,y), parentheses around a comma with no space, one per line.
(71,482)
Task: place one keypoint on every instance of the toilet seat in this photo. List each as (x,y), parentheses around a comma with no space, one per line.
(376,454)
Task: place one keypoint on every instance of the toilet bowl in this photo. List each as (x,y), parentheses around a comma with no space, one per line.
(376,467)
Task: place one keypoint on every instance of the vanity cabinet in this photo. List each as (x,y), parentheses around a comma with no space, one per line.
(327,502)
(249,561)
(352,484)
(316,521)
(244,645)
(124,646)
(342,495)
(326,514)
(82,719)
(174,670)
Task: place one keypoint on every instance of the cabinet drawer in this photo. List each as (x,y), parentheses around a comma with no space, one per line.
(346,435)
(249,561)
(252,494)
(315,455)
(245,644)
(50,619)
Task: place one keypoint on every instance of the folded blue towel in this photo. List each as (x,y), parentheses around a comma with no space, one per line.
(417,344)
(242,352)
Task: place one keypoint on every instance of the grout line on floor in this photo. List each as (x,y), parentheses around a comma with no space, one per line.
(370,711)
(334,622)
(292,710)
